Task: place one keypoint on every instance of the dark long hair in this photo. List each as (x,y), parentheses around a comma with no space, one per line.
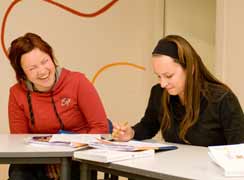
(197,78)
(23,45)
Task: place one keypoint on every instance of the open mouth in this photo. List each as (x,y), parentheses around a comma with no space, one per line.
(44,77)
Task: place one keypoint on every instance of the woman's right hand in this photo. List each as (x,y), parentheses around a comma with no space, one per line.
(122,132)
(53,171)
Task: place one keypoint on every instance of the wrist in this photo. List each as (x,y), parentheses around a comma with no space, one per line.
(132,133)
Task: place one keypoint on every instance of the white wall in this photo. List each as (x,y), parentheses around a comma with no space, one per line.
(194,20)
(229,46)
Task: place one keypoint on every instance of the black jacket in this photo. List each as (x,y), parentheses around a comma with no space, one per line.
(221,119)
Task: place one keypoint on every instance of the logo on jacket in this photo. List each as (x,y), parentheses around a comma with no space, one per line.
(65,101)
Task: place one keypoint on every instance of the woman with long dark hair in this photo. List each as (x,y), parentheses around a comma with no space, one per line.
(189,105)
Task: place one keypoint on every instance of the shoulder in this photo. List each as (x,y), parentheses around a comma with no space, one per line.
(217,93)
(72,75)
(17,88)
(73,80)
(156,91)
(17,93)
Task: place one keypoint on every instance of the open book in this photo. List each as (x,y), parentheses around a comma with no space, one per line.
(229,157)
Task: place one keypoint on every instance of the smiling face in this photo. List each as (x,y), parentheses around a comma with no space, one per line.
(39,69)
(171,75)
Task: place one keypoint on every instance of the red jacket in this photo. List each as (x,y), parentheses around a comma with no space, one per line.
(76,101)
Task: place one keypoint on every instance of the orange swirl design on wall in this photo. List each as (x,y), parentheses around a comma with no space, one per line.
(115,64)
(86,15)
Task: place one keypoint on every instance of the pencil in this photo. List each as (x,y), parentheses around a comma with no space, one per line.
(115,133)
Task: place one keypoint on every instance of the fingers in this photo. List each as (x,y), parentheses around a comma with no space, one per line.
(119,126)
(119,130)
(58,170)
(122,132)
(49,171)
(53,171)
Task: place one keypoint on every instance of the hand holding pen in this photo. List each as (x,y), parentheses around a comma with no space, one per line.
(122,132)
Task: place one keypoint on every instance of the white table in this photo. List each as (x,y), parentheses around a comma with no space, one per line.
(187,162)
(14,150)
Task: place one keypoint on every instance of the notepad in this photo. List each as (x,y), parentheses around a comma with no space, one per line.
(107,156)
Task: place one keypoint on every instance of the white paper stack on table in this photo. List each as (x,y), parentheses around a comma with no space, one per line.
(107,156)
(107,151)
(229,157)
(102,150)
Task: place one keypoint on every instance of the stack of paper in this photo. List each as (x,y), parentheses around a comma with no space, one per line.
(129,146)
(110,151)
(106,156)
(229,157)
(104,150)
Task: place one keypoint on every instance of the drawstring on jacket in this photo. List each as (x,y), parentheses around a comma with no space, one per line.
(32,118)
